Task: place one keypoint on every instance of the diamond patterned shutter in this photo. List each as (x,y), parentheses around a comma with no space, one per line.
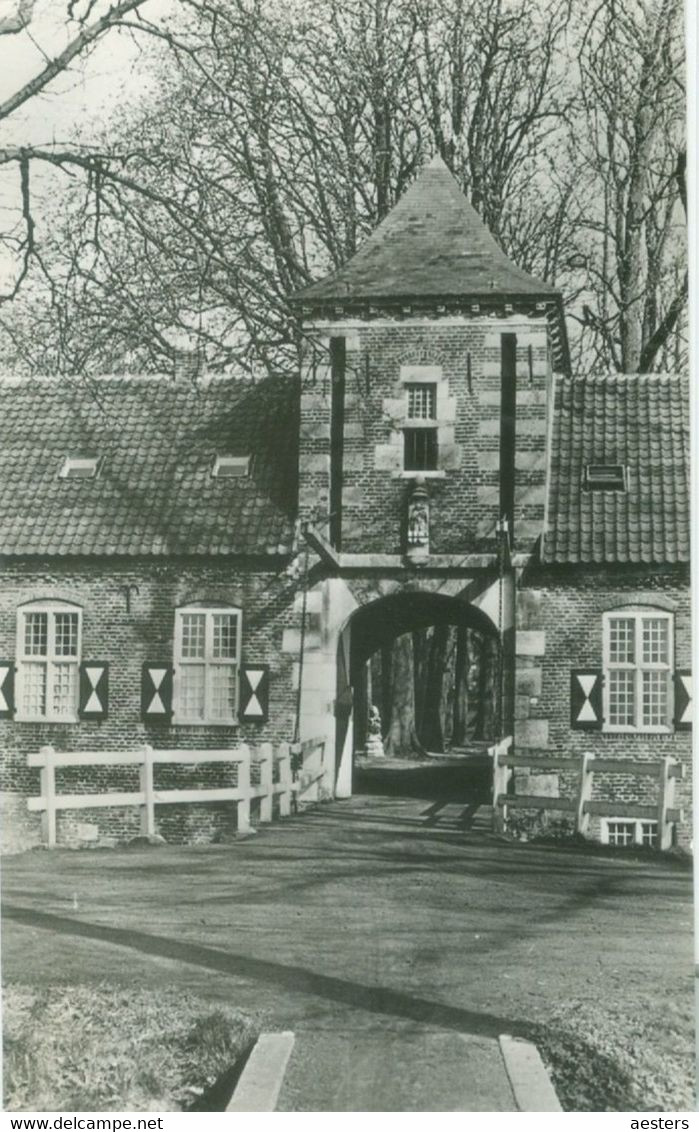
(683,700)
(7,689)
(585,699)
(156,692)
(94,690)
(254,693)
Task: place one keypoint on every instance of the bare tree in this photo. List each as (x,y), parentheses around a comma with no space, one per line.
(281,137)
(630,155)
(280,141)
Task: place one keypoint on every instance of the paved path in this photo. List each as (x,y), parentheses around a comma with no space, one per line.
(394,934)
(381,1071)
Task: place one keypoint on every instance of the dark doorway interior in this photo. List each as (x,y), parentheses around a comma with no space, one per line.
(431,665)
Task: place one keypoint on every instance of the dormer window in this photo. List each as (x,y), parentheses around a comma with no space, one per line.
(420,451)
(231,467)
(79,468)
(604,477)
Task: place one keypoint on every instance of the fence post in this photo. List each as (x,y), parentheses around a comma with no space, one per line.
(48,791)
(244,788)
(284,780)
(148,806)
(266,775)
(666,791)
(582,817)
(501,777)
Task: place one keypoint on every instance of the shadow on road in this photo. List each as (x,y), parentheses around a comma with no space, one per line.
(374,999)
(465,782)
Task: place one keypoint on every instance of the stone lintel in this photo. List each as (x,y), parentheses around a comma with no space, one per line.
(432,562)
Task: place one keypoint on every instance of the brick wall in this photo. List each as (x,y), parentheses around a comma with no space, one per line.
(126,640)
(465,497)
(559,627)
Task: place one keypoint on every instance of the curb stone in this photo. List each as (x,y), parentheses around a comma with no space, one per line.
(531,1084)
(261,1080)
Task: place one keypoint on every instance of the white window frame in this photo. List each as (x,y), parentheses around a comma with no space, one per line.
(426,423)
(637,823)
(638,667)
(50,660)
(208,662)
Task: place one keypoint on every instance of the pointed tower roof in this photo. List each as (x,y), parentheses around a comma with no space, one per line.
(432,244)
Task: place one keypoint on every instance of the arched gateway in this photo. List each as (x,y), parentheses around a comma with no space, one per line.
(429,668)
(355,621)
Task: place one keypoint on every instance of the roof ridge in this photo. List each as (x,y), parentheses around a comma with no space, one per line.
(621,378)
(12,380)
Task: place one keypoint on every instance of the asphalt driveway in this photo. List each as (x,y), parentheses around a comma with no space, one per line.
(378,918)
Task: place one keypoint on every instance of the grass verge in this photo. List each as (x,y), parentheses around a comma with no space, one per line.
(99,1048)
(602,1059)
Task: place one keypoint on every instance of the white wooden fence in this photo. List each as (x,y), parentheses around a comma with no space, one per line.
(666,771)
(307,757)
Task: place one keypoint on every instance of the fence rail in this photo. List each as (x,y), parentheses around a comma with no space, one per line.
(287,788)
(666,771)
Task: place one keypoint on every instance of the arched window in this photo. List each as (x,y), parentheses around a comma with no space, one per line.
(207,660)
(48,660)
(638,662)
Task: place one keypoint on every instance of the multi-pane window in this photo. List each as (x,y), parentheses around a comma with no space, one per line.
(48,659)
(621,832)
(630,831)
(420,431)
(421,401)
(207,658)
(638,684)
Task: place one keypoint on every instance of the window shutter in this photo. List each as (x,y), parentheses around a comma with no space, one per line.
(156,692)
(94,689)
(683,700)
(254,693)
(7,689)
(585,699)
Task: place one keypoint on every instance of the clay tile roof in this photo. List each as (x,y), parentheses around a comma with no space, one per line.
(154,494)
(641,422)
(432,243)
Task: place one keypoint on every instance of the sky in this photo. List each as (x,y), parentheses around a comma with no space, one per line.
(117,72)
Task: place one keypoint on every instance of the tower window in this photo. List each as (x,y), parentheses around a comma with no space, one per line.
(420,431)
(421,401)
(420,452)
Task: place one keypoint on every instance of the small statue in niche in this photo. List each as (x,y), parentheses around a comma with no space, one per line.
(419,521)
(374,743)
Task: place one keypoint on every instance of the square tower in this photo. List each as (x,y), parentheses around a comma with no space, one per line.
(428,361)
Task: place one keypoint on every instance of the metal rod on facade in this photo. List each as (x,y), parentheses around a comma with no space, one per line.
(302,642)
(502,530)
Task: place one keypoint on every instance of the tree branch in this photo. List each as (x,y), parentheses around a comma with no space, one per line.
(62,61)
(657,340)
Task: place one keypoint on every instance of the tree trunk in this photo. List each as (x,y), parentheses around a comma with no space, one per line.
(461,666)
(400,736)
(446,707)
(432,733)
(420,654)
